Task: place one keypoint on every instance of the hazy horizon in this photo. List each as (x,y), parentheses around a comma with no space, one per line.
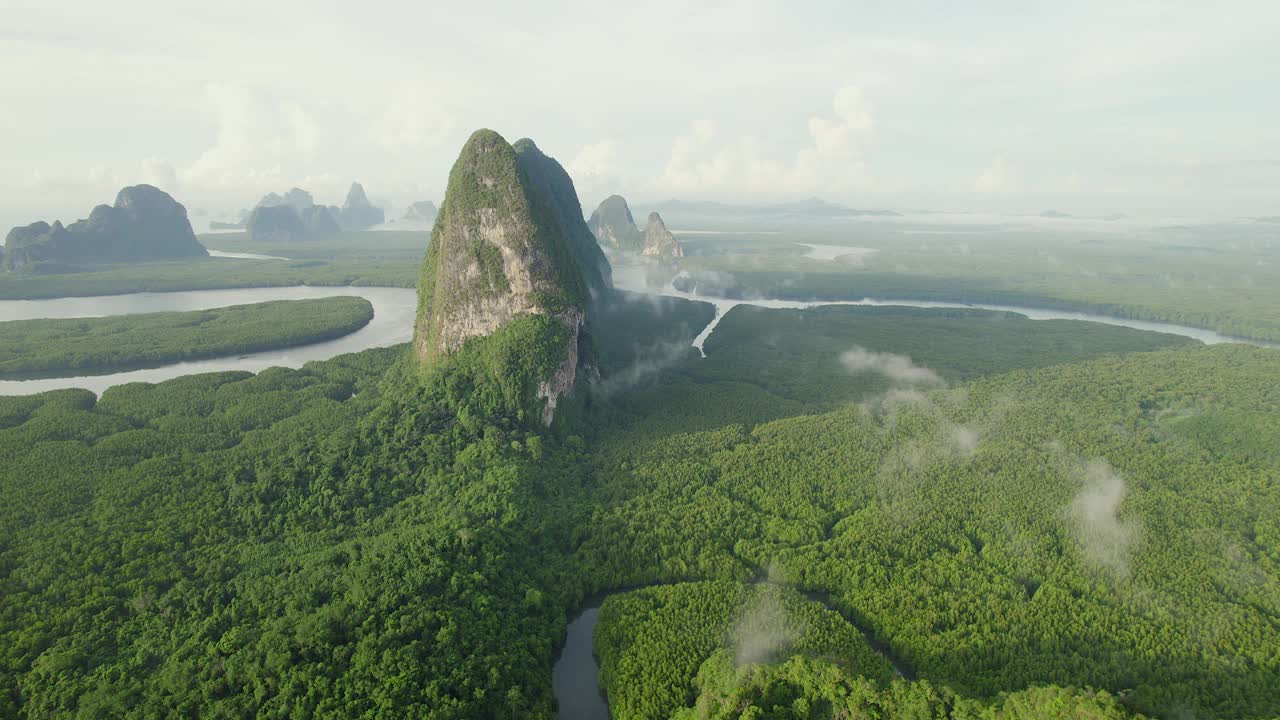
(1146,109)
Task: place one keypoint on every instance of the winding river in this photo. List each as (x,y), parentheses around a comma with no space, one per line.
(394,310)
(632,277)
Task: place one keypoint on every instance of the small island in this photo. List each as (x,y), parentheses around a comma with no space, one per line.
(98,346)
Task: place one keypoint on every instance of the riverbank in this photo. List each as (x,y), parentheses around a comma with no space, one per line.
(392,324)
(45,348)
(211,273)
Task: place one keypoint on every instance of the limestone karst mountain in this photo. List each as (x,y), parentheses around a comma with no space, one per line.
(275,223)
(313,221)
(506,285)
(658,241)
(357,212)
(145,223)
(423,211)
(614,227)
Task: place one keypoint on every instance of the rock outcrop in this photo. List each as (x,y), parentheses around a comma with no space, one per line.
(145,223)
(614,227)
(658,241)
(423,211)
(357,212)
(505,287)
(275,223)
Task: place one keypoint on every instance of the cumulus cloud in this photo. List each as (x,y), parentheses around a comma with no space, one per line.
(996,178)
(595,165)
(246,148)
(898,368)
(412,120)
(306,132)
(159,173)
(702,161)
(835,135)
(1106,540)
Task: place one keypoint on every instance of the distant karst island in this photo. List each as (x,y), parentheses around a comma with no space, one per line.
(296,216)
(615,229)
(145,223)
(423,211)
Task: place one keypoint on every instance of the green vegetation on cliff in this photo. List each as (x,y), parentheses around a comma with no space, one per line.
(100,345)
(496,252)
(553,189)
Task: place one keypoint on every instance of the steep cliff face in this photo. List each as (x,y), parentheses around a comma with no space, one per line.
(658,241)
(145,223)
(502,293)
(614,227)
(554,189)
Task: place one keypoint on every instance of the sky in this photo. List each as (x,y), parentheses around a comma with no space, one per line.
(1155,108)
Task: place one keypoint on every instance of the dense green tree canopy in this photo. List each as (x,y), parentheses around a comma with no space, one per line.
(1027,538)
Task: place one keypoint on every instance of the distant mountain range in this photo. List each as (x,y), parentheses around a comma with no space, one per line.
(811,207)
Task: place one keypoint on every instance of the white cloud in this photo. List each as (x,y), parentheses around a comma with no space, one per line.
(997,178)
(412,120)
(99,175)
(1106,540)
(1153,104)
(898,368)
(243,149)
(835,136)
(595,166)
(702,163)
(306,133)
(160,174)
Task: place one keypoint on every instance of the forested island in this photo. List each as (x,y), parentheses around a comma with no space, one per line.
(92,346)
